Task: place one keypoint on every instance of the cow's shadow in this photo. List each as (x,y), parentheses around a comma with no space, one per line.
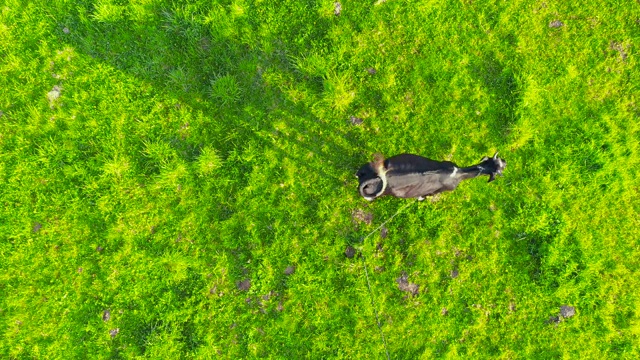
(237,78)
(210,68)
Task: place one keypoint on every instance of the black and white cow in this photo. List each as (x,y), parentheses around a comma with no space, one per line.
(413,176)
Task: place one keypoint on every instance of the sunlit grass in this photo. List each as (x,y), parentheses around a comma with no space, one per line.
(177,179)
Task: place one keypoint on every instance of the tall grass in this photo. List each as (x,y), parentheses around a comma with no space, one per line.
(177,179)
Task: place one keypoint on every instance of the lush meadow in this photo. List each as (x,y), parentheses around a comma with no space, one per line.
(177,179)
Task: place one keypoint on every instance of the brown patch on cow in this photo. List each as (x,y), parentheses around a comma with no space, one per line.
(405,285)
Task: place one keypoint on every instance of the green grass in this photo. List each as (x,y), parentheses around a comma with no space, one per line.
(155,154)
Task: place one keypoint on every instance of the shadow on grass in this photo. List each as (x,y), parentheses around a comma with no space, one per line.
(238,81)
(222,75)
(502,86)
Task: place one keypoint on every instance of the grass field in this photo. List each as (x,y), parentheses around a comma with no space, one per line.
(177,179)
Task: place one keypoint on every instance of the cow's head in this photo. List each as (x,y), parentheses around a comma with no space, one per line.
(492,166)
(370,184)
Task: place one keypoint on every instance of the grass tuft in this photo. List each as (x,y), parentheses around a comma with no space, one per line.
(225,89)
(177,179)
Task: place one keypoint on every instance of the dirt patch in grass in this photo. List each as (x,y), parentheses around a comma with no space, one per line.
(360,215)
(405,285)
(616,46)
(553,320)
(349,252)
(454,273)
(355,120)
(244,285)
(106,315)
(54,95)
(384,232)
(556,24)
(567,311)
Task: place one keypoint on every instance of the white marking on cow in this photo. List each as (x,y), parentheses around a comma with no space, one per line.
(455,171)
(382,173)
